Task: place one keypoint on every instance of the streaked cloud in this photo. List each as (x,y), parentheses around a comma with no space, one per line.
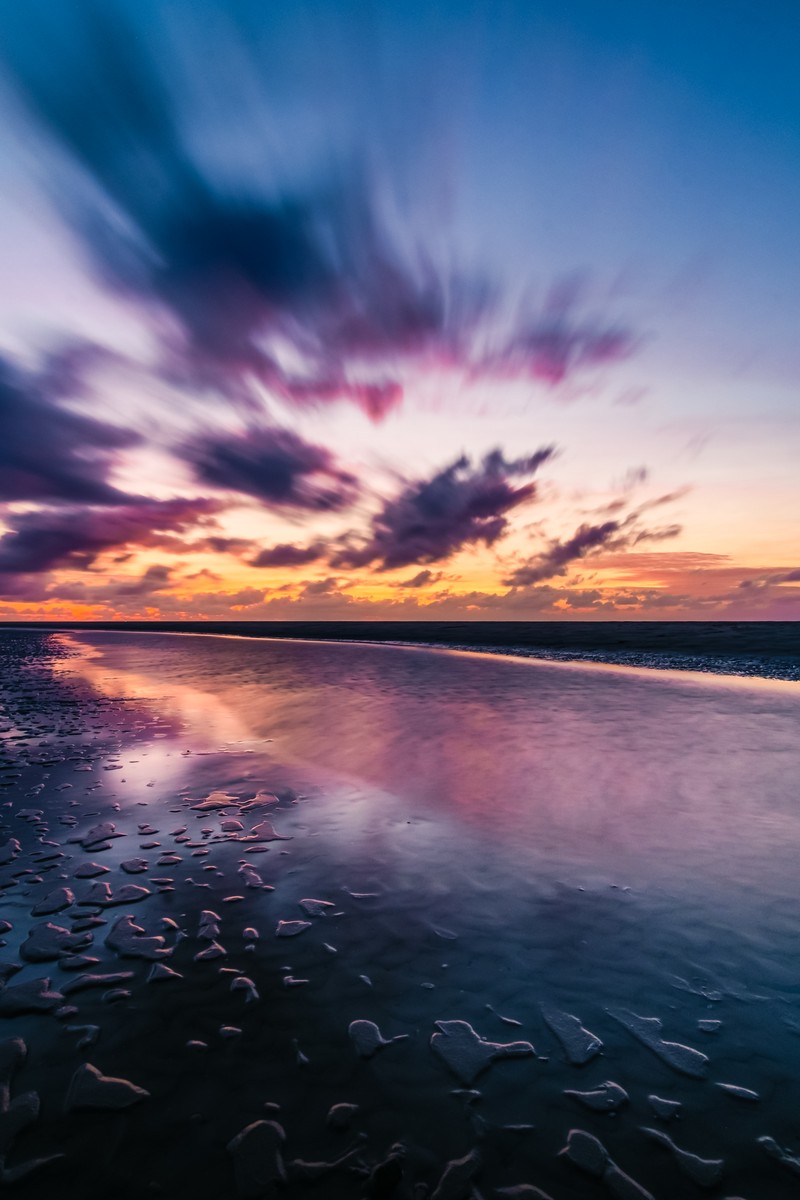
(49,453)
(273,465)
(42,539)
(431,519)
(304,291)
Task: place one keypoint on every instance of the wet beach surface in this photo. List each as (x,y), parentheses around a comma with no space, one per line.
(538,922)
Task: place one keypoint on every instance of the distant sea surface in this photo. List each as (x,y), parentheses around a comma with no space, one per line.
(766,649)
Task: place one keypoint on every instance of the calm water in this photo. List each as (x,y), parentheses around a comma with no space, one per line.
(527,833)
(767,649)
(684,787)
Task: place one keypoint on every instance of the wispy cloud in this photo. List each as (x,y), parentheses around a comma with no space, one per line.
(287,554)
(558,556)
(274,465)
(431,519)
(421,579)
(40,540)
(49,453)
(587,540)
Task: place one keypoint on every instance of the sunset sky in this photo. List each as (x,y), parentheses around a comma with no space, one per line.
(400,310)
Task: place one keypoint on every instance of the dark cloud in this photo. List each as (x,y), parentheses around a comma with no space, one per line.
(220,545)
(660,501)
(420,579)
(222,602)
(204,573)
(587,539)
(231,267)
(273,465)
(558,556)
(213,544)
(38,541)
(767,580)
(622,502)
(218,603)
(664,533)
(546,600)
(242,270)
(320,587)
(431,519)
(286,554)
(47,452)
(155,579)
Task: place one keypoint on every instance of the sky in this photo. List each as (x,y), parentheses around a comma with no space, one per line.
(400,310)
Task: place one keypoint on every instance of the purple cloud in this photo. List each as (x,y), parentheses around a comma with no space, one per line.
(41,540)
(431,519)
(155,579)
(286,554)
(218,544)
(611,535)
(767,580)
(275,466)
(555,560)
(48,453)
(662,534)
(553,350)
(239,271)
(420,579)
(320,587)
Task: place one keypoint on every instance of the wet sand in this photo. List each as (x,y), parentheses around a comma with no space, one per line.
(377,922)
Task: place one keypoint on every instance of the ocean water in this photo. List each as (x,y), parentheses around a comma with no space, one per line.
(498,839)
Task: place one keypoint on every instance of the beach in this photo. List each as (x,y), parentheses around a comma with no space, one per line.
(371,920)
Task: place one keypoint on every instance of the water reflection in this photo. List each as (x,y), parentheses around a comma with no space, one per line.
(682,781)
(196,707)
